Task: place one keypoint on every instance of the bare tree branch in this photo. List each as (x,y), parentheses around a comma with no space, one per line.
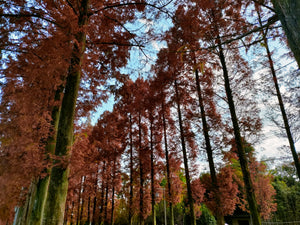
(70,4)
(132,35)
(30,15)
(160,8)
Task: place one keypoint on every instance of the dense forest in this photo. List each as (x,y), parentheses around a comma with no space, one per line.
(194,87)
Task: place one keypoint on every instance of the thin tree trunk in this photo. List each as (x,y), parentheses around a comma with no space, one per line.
(209,151)
(288,12)
(89,211)
(167,165)
(281,105)
(58,186)
(104,219)
(82,201)
(112,206)
(36,216)
(238,141)
(18,215)
(66,214)
(94,211)
(81,211)
(95,197)
(131,173)
(78,203)
(152,173)
(113,194)
(141,214)
(185,160)
(102,195)
(72,211)
(29,203)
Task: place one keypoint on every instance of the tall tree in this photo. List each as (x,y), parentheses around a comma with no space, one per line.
(191,212)
(279,96)
(216,16)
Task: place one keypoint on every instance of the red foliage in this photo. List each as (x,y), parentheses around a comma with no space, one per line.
(227,192)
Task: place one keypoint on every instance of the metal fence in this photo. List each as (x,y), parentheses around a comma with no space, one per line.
(280,223)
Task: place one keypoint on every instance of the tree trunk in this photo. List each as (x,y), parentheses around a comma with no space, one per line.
(152,173)
(238,141)
(38,197)
(25,216)
(18,215)
(112,206)
(94,211)
(39,201)
(88,212)
(95,197)
(82,201)
(81,211)
(185,159)
(72,210)
(58,185)
(167,165)
(288,12)
(281,105)
(66,214)
(209,152)
(113,194)
(78,204)
(141,210)
(100,219)
(131,173)
(104,219)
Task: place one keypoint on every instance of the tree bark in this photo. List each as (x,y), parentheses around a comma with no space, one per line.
(25,216)
(58,186)
(185,160)
(66,214)
(288,12)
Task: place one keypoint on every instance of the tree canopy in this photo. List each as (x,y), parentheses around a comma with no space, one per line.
(195,84)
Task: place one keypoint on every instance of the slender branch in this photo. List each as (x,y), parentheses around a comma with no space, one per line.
(70,4)
(116,43)
(264,5)
(160,8)
(271,21)
(132,35)
(30,15)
